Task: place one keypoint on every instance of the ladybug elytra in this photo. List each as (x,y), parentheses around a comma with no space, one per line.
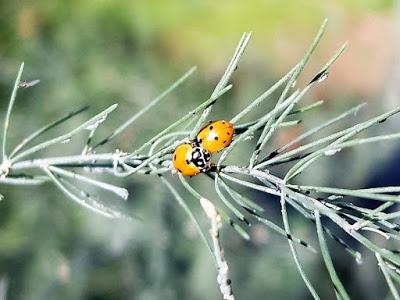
(215,136)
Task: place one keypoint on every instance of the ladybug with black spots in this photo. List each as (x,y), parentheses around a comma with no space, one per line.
(215,136)
(190,159)
(194,157)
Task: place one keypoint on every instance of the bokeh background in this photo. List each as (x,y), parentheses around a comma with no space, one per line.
(103,52)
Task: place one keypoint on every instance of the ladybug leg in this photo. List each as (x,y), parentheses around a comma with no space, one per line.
(212,167)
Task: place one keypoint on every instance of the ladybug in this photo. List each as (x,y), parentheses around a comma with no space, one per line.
(215,136)
(190,159)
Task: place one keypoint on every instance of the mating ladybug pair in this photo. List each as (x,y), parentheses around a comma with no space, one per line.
(190,159)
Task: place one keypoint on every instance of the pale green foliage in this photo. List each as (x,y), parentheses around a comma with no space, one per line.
(153,158)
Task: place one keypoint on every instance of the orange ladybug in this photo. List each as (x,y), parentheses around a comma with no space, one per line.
(215,136)
(189,159)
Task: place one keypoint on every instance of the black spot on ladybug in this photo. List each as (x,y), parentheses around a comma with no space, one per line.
(175,157)
(200,140)
(223,122)
(224,142)
(187,161)
(216,138)
(228,133)
(179,170)
(211,128)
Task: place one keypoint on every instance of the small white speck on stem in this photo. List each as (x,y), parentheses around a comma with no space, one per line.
(224,282)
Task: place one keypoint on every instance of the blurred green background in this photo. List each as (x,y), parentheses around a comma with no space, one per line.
(104,52)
